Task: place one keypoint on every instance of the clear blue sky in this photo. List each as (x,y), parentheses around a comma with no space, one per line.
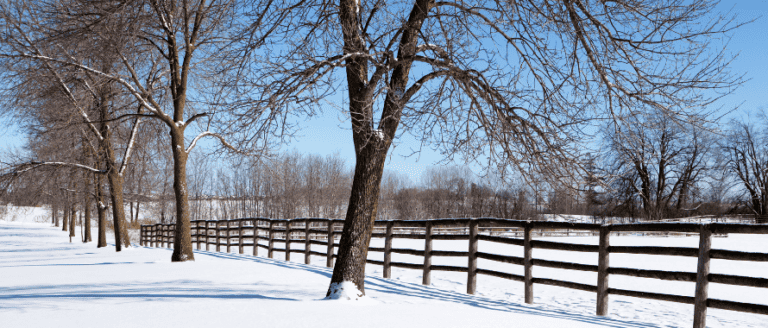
(330,133)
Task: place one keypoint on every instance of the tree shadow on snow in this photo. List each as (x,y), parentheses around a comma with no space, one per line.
(382,285)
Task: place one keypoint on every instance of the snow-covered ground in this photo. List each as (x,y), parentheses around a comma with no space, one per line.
(46,281)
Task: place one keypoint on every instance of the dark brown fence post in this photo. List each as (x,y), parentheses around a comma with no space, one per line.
(425,279)
(602,270)
(167,236)
(207,236)
(287,241)
(388,250)
(240,235)
(271,245)
(141,236)
(218,236)
(528,262)
(472,265)
(165,239)
(153,236)
(702,278)
(198,234)
(329,249)
(307,246)
(255,237)
(229,236)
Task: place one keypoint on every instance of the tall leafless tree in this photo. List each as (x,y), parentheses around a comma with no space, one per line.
(509,84)
(746,156)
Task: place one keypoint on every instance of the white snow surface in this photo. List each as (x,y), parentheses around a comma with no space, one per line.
(46,281)
(345,291)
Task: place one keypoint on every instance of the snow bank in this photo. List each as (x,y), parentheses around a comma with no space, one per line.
(345,290)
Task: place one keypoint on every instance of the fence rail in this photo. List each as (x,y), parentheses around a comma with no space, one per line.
(316,231)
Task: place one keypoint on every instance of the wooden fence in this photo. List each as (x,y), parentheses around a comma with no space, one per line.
(315,231)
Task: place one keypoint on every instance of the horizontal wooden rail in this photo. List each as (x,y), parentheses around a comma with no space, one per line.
(500,258)
(503,240)
(736,306)
(564,246)
(655,250)
(654,274)
(247,232)
(564,265)
(738,280)
(738,256)
(563,283)
(503,275)
(652,296)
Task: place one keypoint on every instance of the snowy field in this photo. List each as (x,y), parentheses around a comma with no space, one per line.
(46,281)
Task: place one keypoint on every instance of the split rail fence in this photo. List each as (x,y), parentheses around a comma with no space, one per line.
(248,232)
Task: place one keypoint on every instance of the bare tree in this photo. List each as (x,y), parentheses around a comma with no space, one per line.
(162,49)
(510,83)
(662,161)
(747,158)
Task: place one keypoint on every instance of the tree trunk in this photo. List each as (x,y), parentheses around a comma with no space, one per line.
(87,209)
(65,220)
(118,211)
(182,242)
(130,215)
(55,213)
(371,146)
(113,175)
(138,207)
(358,223)
(102,210)
(72,221)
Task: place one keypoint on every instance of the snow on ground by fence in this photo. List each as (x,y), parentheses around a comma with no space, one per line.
(49,282)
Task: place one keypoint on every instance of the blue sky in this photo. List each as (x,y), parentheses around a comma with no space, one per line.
(330,132)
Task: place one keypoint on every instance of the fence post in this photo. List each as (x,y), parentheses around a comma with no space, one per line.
(472,265)
(198,235)
(702,278)
(307,245)
(528,262)
(240,235)
(388,251)
(153,237)
(603,262)
(218,236)
(329,249)
(255,237)
(287,241)
(229,236)
(271,238)
(207,236)
(165,240)
(425,279)
(141,236)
